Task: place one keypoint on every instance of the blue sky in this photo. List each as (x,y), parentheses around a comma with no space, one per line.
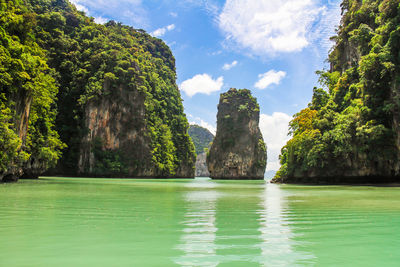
(271,47)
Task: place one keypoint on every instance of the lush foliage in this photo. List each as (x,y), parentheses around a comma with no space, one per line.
(49,49)
(93,62)
(201,138)
(351,124)
(27,95)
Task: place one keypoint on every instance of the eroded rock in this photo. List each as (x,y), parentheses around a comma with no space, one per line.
(238,150)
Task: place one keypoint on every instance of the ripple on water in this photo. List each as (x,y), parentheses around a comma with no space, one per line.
(201,222)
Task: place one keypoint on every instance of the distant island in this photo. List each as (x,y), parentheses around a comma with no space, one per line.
(202,139)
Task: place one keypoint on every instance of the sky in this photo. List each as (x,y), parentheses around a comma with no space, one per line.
(272,47)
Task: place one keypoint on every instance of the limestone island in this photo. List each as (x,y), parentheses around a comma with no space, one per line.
(238,151)
(350,131)
(202,139)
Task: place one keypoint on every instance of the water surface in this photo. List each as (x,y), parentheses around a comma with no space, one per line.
(201,222)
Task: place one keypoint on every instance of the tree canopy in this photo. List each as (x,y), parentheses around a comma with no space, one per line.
(350,128)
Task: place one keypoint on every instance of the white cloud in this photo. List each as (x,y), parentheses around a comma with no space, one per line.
(274,129)
(79,6)
(268,78)
(210,6)
(325,27)
(173,14)
(269,26)
(204,124)
(161,31)
(171,27)
(208,126)
(201,84)
(130,12)
(215,53)
(100,20)
(228,66)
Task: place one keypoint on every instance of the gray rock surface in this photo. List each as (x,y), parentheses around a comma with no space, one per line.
(238,150)
(201,165)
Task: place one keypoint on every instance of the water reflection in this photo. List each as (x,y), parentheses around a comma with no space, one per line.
(238,223)
(278,247)
(199,231)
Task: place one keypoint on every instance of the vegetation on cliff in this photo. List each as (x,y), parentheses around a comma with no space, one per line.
(28,140)
(350,130)
(201,138)
(238,150)
(97,67)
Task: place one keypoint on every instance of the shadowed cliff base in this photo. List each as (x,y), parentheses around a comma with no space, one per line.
(237,178)
(355,180)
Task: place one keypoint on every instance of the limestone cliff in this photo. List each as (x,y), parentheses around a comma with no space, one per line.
(350,132)
(14,169)
(116,142)
(29,143)
(133,132)
(238,150)
(119,108)
(201,165)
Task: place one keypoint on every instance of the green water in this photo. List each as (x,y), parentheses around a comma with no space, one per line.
(103,222)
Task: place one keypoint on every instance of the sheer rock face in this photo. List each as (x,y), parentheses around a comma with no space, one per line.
(23,106)
(117,125)
(201,165)
(395,97)
(238,150)
(33,167)
(117,128)
(16,169)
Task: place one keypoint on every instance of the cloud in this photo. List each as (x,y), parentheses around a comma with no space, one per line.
(161,31)
(204,124)
(173,14)
(268,78)
(269,26)
(274,129)
(215,53)
(129,12)
(79,6)
(326,25)
(228,66)
(100,20)
(212,7)
(83,8)
(202,84)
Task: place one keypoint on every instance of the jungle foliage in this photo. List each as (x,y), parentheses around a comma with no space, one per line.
(63,59)
(27,94)
(351,125)
(201,138)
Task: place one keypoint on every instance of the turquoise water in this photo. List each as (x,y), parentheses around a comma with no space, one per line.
(115,222)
